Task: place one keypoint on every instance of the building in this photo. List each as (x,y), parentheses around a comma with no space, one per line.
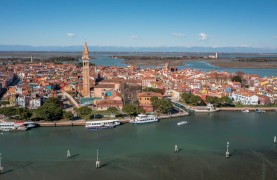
(86,77)
(145,100)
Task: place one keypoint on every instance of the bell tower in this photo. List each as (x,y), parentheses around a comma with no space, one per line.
(86,78)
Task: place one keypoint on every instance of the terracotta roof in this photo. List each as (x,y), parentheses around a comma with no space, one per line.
(149,94)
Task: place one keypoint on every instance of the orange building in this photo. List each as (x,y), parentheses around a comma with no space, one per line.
(145,102)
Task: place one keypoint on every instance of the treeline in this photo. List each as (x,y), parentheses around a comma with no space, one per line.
(61,59)
(50,111)
(198,101)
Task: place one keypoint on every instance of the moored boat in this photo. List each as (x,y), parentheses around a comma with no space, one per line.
(259,111)
(104,124)
(182,123)
(245,111)
(12,126)
(142,118)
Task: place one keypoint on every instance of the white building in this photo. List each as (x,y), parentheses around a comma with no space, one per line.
(244,99)
(23,101)
(35,103)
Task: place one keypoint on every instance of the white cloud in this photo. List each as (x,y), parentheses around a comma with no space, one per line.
(203,36)
(135,37)
(178,34)
(70,34)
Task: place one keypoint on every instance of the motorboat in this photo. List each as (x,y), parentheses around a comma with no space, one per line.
(182,123)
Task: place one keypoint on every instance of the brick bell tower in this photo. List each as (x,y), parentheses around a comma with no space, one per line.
(86,78)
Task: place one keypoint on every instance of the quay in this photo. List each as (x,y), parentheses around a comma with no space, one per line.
(63,123)
(248,108)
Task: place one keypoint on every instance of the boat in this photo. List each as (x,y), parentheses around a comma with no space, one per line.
(142,118)
(259,111)
(104,124)
(30,124)
(12,126)
(245,111)
(182,123)
(208,108)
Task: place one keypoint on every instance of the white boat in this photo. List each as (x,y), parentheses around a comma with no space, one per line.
(104,124)
(142,118)
(30,124)
(182,123)
(245,111)
(208,108)
(12,126)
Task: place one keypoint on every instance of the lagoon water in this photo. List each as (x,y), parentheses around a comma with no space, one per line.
(200,65)
(147,151)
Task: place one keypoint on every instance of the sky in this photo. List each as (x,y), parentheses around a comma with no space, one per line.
(139,23)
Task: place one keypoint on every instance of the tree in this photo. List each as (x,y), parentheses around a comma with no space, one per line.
(8,111)
(150,89)
(68,115)
(164,106)
(84,111)
(112,110)
(23,113)
(186,97)
(212,99)
(155,102)
(53,100)
(237,79)
(225,100)
(49,111)
(130,109)
(196,100)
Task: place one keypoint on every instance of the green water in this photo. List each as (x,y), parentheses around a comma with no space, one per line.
(147,151)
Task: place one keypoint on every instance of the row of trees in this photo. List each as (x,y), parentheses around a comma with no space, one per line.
(192,99)
(223,101)
(198,101)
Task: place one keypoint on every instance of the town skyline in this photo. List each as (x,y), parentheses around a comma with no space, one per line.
(212,24)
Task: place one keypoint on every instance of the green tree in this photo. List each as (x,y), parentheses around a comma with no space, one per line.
(84,111)
(155,102)
(164,106)
(196,100)
(150,89)
(186,97)
(49,111)
(112,110)
(53,100)
(225,100)
(8,111)
(237,78)
(212,99)
(23,113)
(68,115)
(130,109)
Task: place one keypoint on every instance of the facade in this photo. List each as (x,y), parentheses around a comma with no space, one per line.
(145,102)
(35,103)
(245,99)
(86,77)
(106,103)
(23,101)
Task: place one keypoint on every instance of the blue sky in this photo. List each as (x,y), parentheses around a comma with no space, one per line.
(139,23)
